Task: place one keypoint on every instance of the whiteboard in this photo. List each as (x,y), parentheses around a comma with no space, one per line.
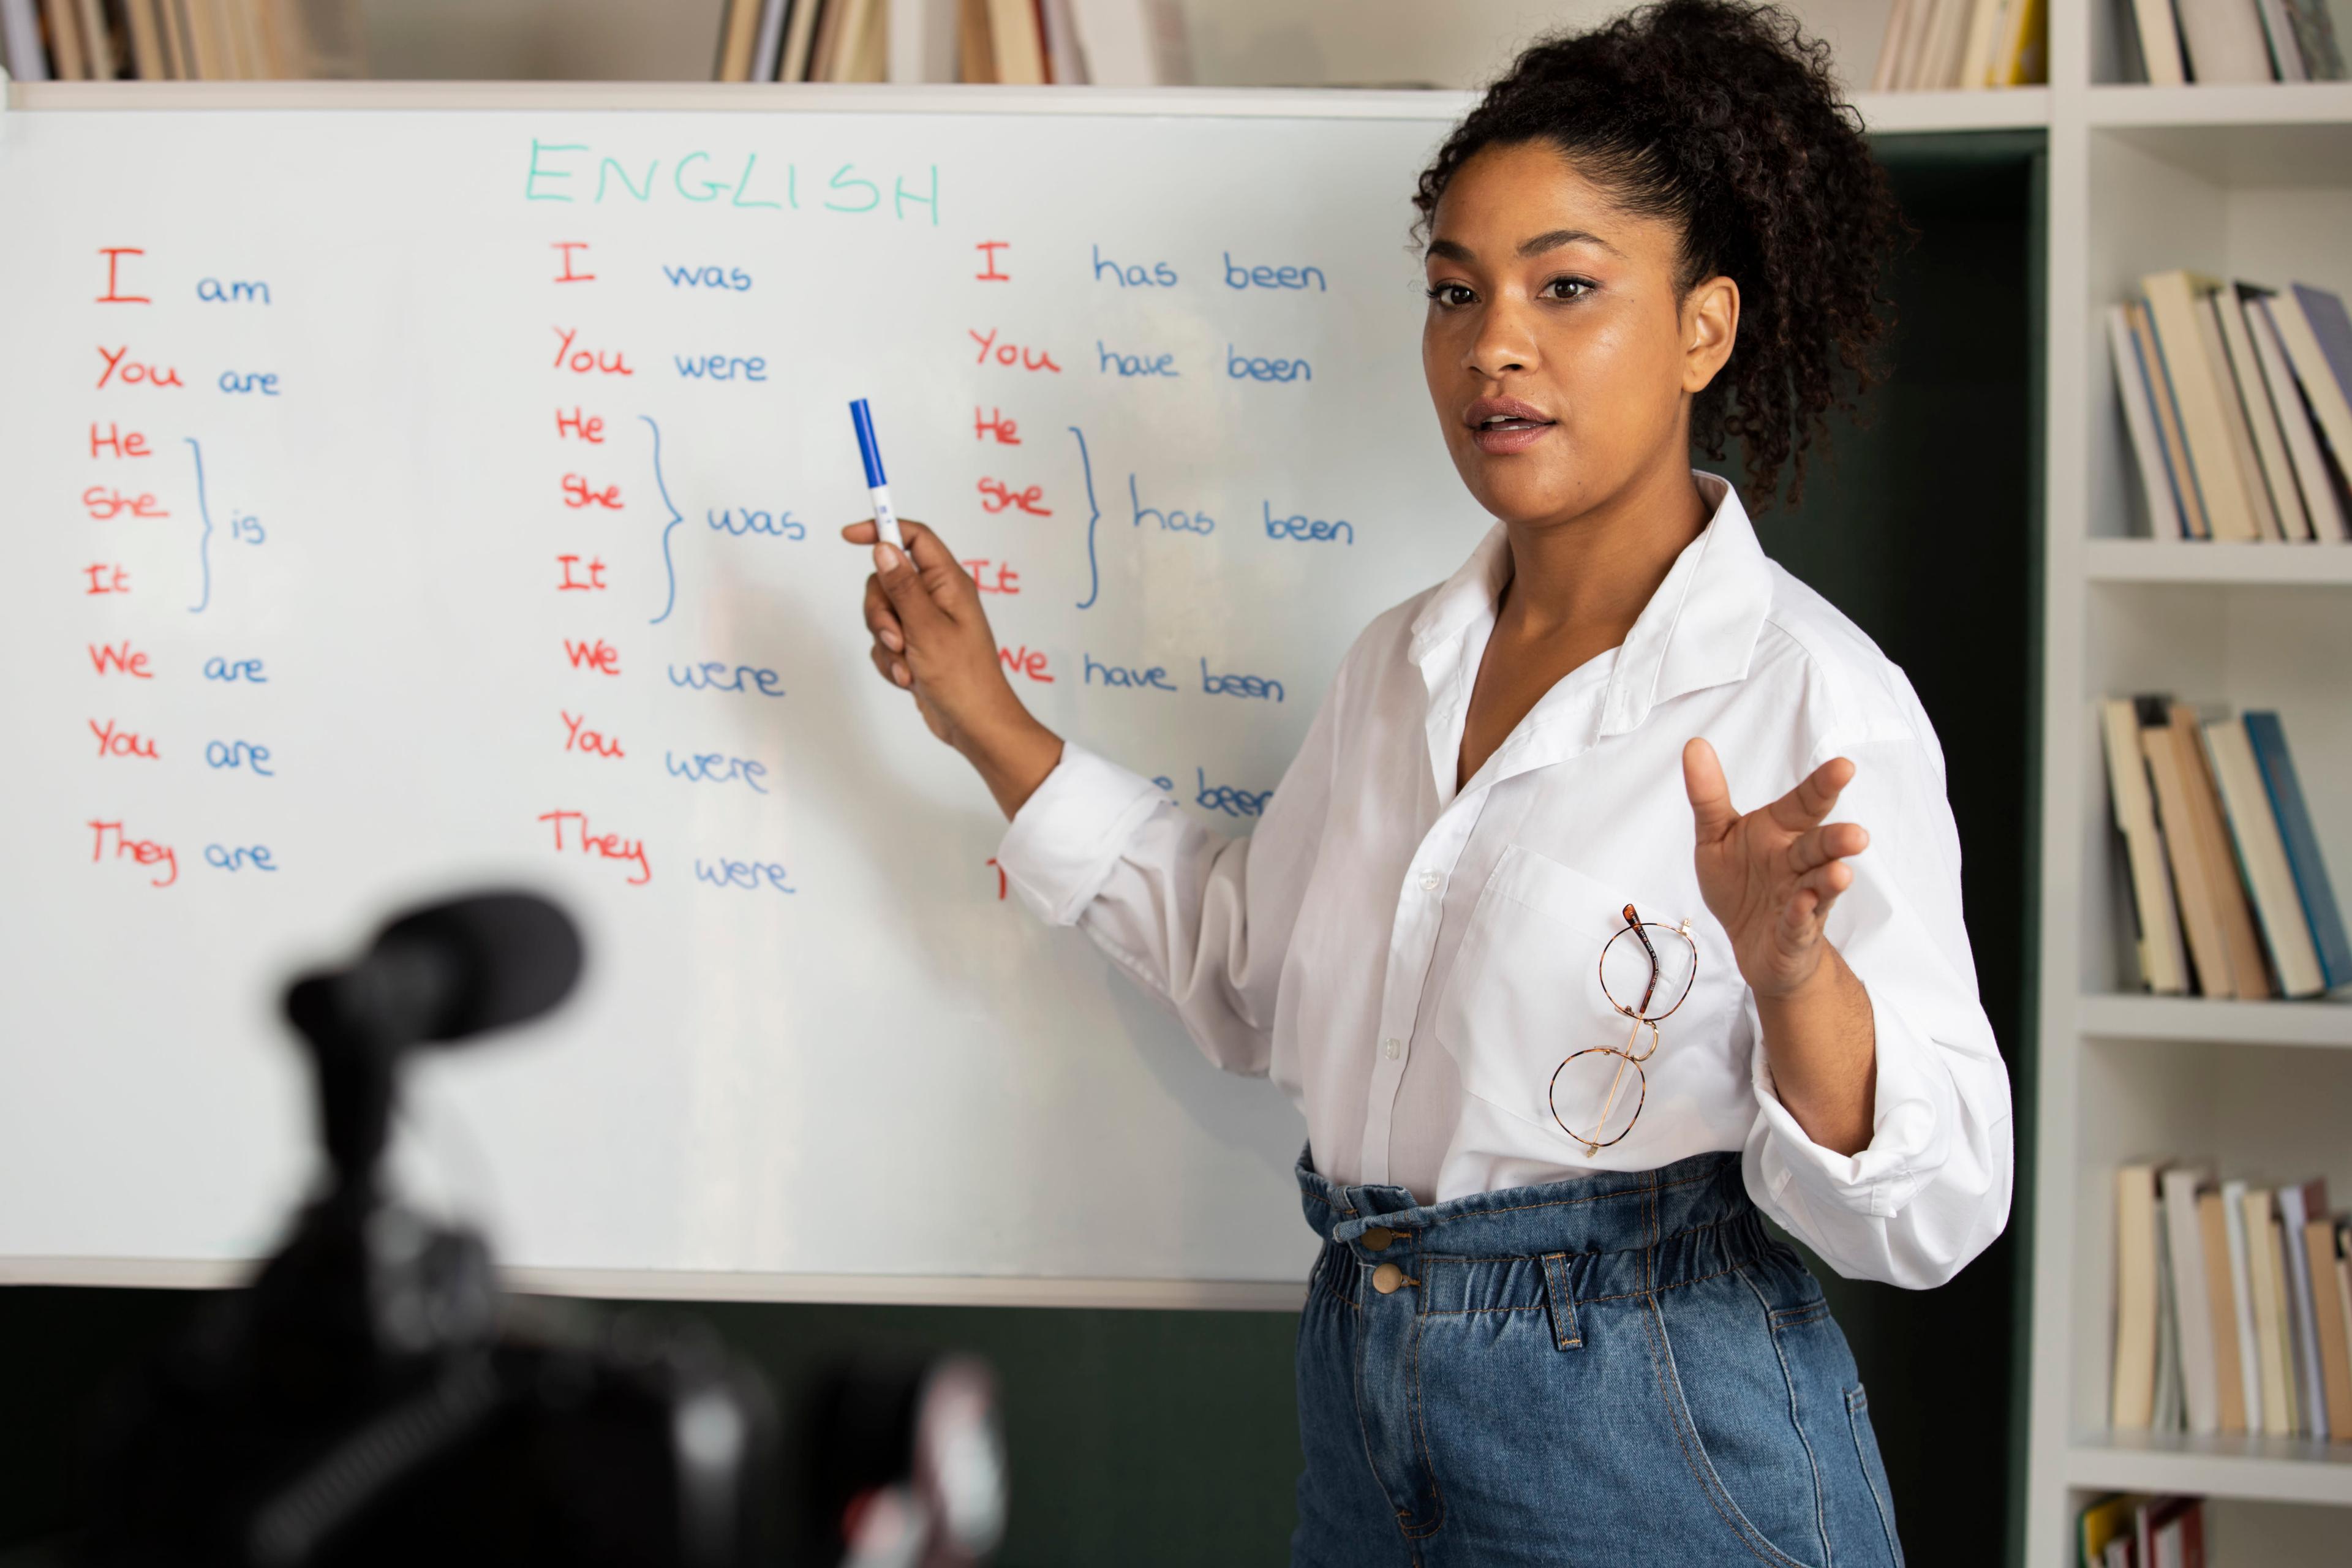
(405,502)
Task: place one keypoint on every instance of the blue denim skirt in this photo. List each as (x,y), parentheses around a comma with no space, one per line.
(1618,1371)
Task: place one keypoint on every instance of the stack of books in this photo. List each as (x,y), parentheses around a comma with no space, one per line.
(2134,1530)
(2238,399)
(1934,45)
(2218,847)
(2170,42)
(2233,1307)
(1035,43)
(180,40)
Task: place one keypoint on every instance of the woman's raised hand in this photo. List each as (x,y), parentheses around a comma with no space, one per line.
(1770,875)
(933,640)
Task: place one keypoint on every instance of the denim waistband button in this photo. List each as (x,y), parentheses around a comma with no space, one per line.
(1387,1277)
(1378,1238)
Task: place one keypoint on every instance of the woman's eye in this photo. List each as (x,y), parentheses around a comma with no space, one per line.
(1452,294)
(1567,289)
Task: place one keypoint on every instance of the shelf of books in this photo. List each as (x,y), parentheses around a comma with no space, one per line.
(2193,1301)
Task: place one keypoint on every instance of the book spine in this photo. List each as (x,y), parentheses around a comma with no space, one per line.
(2268,738)
(20,36)
(2262,420)
(2314,484)
(2250,1367)
(2188,484)
(2327,1314)
(2140,419)
(2174,307)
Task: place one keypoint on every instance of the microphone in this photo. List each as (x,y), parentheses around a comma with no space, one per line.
(446,972)
(439,974)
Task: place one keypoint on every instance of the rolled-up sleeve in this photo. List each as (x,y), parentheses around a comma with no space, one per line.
(1202,921)
(1931,1190)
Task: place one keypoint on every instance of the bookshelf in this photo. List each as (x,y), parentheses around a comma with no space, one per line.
(2237,180)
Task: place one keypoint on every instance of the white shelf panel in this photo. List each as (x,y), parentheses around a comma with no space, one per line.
(2003,108)
(2190,560)
(2314,1023)
(2265,103)
(2256,1469)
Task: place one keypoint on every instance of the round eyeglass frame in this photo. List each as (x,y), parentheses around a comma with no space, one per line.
(1637,928)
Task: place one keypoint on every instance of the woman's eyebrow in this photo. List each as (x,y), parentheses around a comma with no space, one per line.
(1452,250)
(1559,237)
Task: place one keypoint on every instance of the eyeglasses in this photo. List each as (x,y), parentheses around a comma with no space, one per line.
(1646,970)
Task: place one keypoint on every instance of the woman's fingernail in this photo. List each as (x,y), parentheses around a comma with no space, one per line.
(885,557)
(892,641)
(898,673)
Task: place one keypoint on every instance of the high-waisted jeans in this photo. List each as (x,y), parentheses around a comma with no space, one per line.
(1615,1371)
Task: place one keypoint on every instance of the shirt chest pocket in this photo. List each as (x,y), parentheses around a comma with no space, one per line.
(1525,989)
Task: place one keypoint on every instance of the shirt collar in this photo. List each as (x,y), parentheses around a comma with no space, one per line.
(1698,629)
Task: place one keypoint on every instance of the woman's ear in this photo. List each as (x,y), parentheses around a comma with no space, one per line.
(1710,321)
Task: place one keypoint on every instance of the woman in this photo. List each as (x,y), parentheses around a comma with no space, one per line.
(1562,1017)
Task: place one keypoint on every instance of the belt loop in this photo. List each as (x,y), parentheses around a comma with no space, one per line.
(1564,1332)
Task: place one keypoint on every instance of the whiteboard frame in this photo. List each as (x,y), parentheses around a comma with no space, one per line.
(1882,112)
(2011,109)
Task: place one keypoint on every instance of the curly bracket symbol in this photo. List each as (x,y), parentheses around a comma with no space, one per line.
(1094,516)
(671,527)
(205,540)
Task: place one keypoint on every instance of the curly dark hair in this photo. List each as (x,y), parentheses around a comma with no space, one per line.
(1723,118)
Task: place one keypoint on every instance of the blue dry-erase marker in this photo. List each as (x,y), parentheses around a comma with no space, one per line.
(885,522)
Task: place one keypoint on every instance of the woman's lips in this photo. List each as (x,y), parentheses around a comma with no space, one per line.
(1502,425)
(1510,436)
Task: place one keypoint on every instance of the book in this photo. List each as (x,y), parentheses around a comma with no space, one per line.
(2163,964)
(144,24)
(1065,65)
(2156,481)
(2261,859)
(1941,70)
(2025,55)
(2314,38)
(767,46)
(1017,41)
(1983,46)
(2327,1312)
(2315,483)
(2249,966)
(20,40)
(2159,42)
(2269,1315)
(2182,330)
(2104,1525)
(2173,1531)
(2169,1411)
(1911,73)
(96,41)
(1115,36)
(2132,1393)
(2250,1368)
(738,32)
(2318,895)
(2278,37)
(975,61)
(825,54)
(66,60)
(2262,420)
(2192,880)
(1890,45)
(2303,314)
(2224,40)
(2295,1206)
(800,41)
(2233,416)
(2191,1303)
(2186,485)
(2222,1311)
(178,58)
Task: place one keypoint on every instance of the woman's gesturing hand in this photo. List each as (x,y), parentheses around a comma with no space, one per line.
(1770,875)
(931,639)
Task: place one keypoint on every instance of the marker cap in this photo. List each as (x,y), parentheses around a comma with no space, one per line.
(867,449)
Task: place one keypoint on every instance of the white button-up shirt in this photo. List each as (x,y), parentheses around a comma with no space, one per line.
(1410,962)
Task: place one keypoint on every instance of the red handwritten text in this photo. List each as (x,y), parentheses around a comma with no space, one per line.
(584,362)
(140,851)
(117,742)
(114,294)
(1011,354)
(988,249)
(604,846)
(574,583)
(107,577)
(995,424)
(569,275)
(133,372)
(995,495)
(577,493)
(599,656)
(576,739)
(590,430)
(1025,660)
(134,444)
(103,504)
(121,660)
(992,577)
